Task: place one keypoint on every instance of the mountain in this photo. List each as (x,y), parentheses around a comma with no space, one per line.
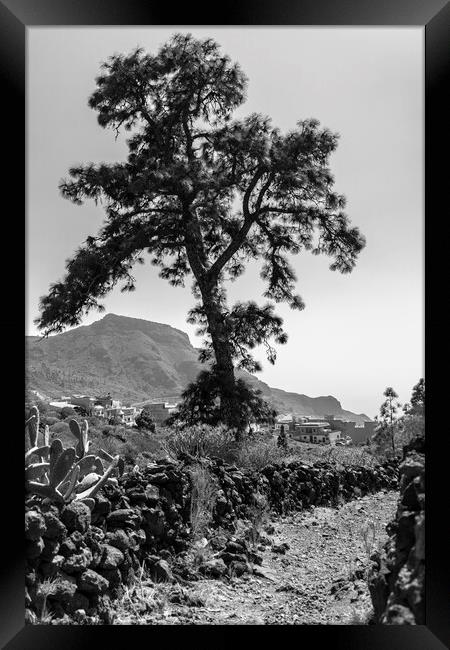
(136,360)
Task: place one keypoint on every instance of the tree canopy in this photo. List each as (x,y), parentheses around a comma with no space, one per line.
(145,420)
(203,195)
(417,402)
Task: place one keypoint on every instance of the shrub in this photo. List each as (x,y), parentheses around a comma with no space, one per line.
(110,444)
(201,440)
(259,454)
(48,420)
(68,412)
(53,414)
(145,421)
(59,428)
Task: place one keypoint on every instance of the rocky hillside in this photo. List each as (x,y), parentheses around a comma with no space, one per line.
(136,360)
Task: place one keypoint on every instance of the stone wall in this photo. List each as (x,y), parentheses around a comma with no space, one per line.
(88,555)
(397,574)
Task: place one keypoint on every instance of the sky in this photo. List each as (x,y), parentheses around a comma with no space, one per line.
(360,332)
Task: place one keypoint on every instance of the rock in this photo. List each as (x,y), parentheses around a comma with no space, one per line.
(214,568)
(218,542)
(76,516)
(113,576)
(264,572)
(30,578)
(50,569)
(160,572)
(119,539)
(33,548)
(55,529)
(235,547)
(111,558)
(62,591)
(237,568)
(137,496)
(279,548)
(34,525)
(221,505)
(96,533)
(154,521)
(151,494)
(91,582)
(255,558)
(79,615)
(51,548)
(79,603)
(233,557)
(68,547)
(77,562)
(123,518)
(137,538)
(161,478)
(102,506)
(398,615)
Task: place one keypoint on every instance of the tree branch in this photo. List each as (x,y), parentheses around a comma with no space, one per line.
(249,219)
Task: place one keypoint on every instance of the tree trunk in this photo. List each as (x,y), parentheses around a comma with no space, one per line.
(208,285)
(229,404)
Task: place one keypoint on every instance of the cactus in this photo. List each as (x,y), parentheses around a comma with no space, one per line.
(94,489)
(81,434)
(62,475)
(36,470)
(33,425)
(42,452)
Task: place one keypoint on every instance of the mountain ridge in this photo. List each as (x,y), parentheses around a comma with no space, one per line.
(136,360)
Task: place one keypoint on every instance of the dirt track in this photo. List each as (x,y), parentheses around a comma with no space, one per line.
(310,584)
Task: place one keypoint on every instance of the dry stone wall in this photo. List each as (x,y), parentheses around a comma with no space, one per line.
(398,573)
(77,559)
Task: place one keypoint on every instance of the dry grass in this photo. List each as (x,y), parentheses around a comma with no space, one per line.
(258,515)
(45,589)
(139,598)
(203,498)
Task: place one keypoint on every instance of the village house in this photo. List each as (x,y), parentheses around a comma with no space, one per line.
(101,407)
(283,420)
(315,432)
(358,434)
(160,411)
(128,415)
(59,405)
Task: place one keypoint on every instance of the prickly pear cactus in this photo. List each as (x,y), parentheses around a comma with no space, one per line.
(62,475)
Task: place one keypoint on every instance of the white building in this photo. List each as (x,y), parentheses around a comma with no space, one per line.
(315,432)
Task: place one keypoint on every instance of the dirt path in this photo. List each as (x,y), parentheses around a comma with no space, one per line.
(309,584)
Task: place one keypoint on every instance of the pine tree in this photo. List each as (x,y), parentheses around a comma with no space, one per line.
(203,195)
(388,414)
(417,401)
(282,440)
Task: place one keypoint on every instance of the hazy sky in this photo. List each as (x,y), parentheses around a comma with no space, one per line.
(360,332)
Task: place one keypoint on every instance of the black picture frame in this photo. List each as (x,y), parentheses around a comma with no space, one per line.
(18,15)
